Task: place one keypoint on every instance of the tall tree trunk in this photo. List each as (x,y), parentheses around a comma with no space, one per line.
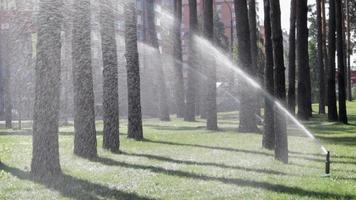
(325,51)
(110,77)
(153,41)
(291,71)
(320,59)
(191,97)
(341,63)
(247,101)
(280,126)
(45,153)
(212,121)
(268,141)
(178,60)
(302,59)
(254,49)
(84,114)
(332,109)
(133,73)
(349,83)
(7,90)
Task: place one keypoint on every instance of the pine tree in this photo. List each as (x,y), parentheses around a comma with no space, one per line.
(291,57)
(320,59)
(110,77)
(280,126)
(212,122)
(133,73)
(268,141)
(341,63)
(84,114)
(45,152)
(247,101)
(332,109)
(153,41)
(302,60)
(178,59)
(191,97)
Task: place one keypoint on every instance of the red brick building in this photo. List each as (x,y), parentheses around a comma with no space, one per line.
(225,10)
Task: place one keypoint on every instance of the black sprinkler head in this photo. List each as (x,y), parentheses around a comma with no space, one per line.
(327,164)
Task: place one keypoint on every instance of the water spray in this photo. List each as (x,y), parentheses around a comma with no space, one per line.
(227,62)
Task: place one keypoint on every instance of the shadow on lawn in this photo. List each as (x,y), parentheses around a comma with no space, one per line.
(174,128)
(208,147)
(73,187)
(279,188)
(187,162)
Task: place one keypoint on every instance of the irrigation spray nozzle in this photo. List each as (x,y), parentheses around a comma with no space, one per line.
(327,164)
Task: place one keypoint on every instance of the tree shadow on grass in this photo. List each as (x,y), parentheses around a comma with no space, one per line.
(211,164)
(174,128)
(208,147)
(24,132)
(73,187)
(279,188)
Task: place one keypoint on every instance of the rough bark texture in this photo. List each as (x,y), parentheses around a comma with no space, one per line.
(302,59)
(133,74)
(349,51)
(280,126)
(212,121)
(254,49)
(7,93)
(178,62)
(247,99)
(110,77)
(291,57)
(84,114)
(325,51)
(332,109)
(153,41)
(191,97)
(341,63)
(268,140)
(320,59)
(45,154)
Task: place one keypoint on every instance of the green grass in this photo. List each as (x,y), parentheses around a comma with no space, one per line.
(180,160)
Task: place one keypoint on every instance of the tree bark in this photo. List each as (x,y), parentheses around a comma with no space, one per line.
(45,153)
(254,49)
(191,97)
(153,41)
(211,110)
(84,117)
(325,52)
(178,62)
(133,74)
(341,63)
(268,140)
(110,77)
(302,60)
(291,57)
(280,126)
(348,21)
(332,109)
(7,92)
(247,100)
(320,59)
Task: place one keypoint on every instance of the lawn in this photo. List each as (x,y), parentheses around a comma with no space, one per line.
(180,160)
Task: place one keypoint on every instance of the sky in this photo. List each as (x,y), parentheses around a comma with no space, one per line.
(285,11)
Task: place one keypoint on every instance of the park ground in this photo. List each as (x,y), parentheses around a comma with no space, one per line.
(180,160)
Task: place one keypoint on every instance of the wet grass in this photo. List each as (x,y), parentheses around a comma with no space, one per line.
(181,160)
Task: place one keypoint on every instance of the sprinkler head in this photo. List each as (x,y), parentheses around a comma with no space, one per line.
(327,164)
